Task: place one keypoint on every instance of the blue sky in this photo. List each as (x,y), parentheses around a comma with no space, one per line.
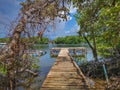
(9,10)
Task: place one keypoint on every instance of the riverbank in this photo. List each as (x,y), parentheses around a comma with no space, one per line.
(45,63)
(94,70)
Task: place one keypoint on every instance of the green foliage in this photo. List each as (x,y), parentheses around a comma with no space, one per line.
(104,50)
(109,24)
(3,70)
(100,20)
(35,64)
(38,41)
(4,40)
(35,40)
(60,40)
(69,40)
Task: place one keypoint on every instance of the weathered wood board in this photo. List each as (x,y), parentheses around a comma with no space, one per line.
(64,75)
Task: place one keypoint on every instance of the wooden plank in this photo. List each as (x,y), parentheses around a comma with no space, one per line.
(64,64)
(64,79)
(64,75)
(65,87)
(65,82)
(64,70)
(52,89)
(62,84)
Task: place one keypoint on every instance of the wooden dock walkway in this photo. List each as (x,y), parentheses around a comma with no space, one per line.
(65,74)
(76,51)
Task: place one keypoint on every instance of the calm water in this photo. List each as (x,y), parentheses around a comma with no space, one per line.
(46,63)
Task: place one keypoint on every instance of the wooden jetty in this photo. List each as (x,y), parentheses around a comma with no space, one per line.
(65,74)
(74,51)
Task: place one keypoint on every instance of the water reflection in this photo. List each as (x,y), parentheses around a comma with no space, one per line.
(46,63)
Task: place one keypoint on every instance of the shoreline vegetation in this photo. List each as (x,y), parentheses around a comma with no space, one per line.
(94,71)
(99,27)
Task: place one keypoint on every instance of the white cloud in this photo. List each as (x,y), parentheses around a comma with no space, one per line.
(67,32)
(62,12)
(59,29)
(73,10)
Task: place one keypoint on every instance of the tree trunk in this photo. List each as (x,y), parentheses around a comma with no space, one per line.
(12,49)
(11,52)
(41,37)
(95,54)
(95,48)
(14,45)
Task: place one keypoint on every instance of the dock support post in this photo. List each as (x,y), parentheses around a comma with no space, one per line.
(105,72)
